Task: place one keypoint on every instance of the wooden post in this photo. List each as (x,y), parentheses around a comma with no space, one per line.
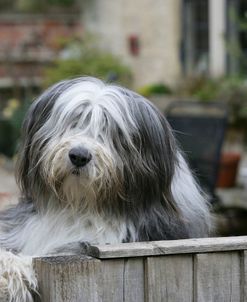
(68,279)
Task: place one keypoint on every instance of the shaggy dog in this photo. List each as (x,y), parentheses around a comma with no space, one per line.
(98,163)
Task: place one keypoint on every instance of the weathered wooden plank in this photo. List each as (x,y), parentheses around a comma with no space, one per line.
(112,280)
(154,248)
(68,279)
(217,277)
(169,278)
(134,287)
(123,280)
(243,266)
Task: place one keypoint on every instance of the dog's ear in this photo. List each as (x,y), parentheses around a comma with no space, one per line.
(153,165)
(156,144)
(35,118)
(148,182)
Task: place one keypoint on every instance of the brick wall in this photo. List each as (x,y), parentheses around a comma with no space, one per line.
(28,43)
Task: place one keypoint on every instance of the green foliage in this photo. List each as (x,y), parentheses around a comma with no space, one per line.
(17,117)
(44,5)
(232,91)
(7,140)
(10,126)
(233,46)
(152,89)
(83,58)
(6,4)
(201,88)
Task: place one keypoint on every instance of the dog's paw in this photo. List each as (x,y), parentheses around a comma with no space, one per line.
(84,245)
(17,277)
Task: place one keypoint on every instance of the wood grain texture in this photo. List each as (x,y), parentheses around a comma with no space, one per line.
(198,270)
(123,280)
(68,279)
(169,278)
(243,267)
(168,247)
(217,277)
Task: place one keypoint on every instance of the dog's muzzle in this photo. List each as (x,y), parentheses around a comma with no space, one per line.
(79,156)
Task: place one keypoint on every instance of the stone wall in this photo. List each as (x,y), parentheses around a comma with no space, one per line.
(156,26)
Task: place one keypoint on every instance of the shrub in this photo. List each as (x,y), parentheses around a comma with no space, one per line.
(158,88)
(83,58)
(10,125)
(232,91)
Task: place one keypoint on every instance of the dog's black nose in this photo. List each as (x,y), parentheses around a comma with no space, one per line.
(79,156)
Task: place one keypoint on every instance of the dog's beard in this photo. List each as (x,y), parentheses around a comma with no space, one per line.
(84,187)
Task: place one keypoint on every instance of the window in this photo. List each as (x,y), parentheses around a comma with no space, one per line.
(195,36)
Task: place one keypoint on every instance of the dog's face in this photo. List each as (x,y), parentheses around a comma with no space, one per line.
(88,144)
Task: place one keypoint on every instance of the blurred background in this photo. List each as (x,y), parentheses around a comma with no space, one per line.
(167,50)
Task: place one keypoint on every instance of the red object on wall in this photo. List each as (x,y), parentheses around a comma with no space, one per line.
(134,45)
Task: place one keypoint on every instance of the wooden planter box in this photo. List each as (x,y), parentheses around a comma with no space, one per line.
(198,270)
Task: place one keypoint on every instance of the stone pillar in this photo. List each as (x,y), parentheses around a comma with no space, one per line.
(217,43)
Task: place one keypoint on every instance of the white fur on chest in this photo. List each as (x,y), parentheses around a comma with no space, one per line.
(44,233)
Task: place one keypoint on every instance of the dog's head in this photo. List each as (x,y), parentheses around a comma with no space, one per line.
(89,144)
